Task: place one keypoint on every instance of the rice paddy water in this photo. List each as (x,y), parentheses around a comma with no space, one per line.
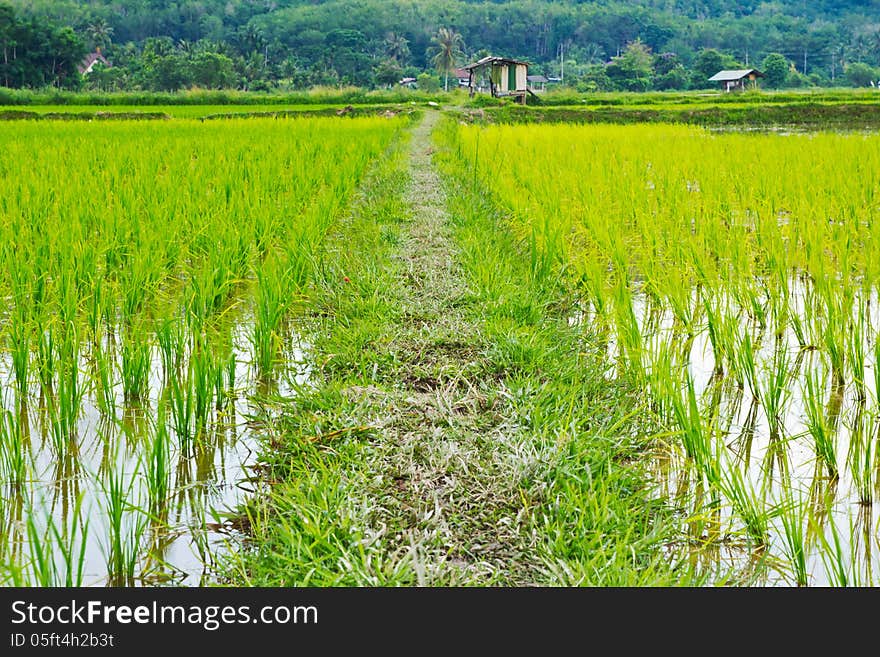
(736,276)
(150,277)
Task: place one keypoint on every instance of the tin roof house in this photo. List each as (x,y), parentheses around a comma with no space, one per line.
(737,80)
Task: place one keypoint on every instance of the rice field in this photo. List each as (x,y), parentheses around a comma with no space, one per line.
(149,274)
(735,277)
(155,277)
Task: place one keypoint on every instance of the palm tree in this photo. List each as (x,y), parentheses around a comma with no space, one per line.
(99,33)
(448,47)
(397,47)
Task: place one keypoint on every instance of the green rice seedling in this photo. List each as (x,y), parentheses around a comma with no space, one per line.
(270,304)
(803,317)
(226,396)
(56,556)
(182,409)
(63,408)
(198,531)
(126,523)
(629,334)
(677,294)
(834,342)
(19,327)
(135,360)
(798,327)
(104,380)
(855,349)
(755,306)
(13,506)
(19,344)
(661,374)
(713,321)
(157,472)
(778,285)
(746,363)
(751,505)
(877,372)
(696,438)
(592,280)
(210,285)
(817,425)
(46,358)
(201,377)
(775,391)
(171,339)
(70,393)
(862,455)
(834,557)
(41,564)
(14,459)
(299,251)
(224,365)
(863,534)
(794,515)
(71,544)
(96,300)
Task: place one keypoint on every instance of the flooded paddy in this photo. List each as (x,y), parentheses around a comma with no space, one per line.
(150,283)
(734,276)
(129,496)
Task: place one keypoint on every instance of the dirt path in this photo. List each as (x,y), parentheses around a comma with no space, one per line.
(448,467)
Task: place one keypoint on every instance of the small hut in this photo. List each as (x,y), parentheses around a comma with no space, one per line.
(538,82)
(86,65)
(737,80)
(507,78)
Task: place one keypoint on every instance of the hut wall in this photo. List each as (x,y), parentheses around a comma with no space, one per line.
(522,81)
(503,79)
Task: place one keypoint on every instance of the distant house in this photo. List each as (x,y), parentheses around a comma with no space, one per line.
(737,80)
(505,77)
(86,65)
(410,83)
(537,82)
(462,76)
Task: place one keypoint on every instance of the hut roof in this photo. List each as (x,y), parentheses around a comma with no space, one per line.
(86,64)
(486,61)
(735,74)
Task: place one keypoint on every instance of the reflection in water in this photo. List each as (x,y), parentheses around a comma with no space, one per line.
(129,486)
(784,413)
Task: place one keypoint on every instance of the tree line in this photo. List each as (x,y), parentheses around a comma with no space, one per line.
(295,44)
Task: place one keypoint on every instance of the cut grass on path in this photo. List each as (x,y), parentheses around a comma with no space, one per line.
(456,429)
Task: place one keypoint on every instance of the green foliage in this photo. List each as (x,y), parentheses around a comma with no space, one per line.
(428,83)
(388,72)
(708,63)
(297,44)
(859,74)
(212,70)
(634,69)
(36,53)
(775,68)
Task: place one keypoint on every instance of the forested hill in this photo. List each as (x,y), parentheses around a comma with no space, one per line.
(264,43)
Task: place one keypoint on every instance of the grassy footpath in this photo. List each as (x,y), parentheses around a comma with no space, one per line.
(456,430)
